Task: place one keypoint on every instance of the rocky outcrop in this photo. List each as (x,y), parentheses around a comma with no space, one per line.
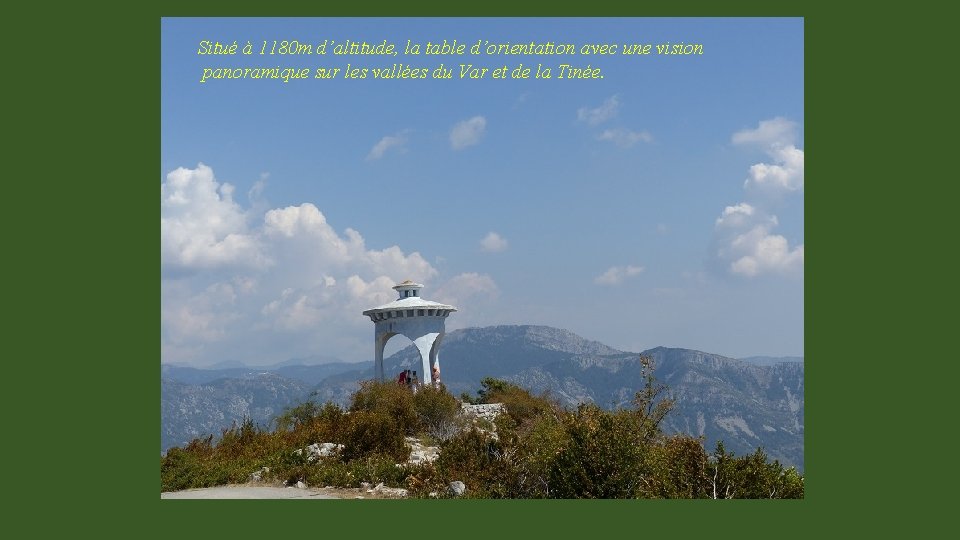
(257,476)
(388,492)
(420,454)
(485,411)
(319,450)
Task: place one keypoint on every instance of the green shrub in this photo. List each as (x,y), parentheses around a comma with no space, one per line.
(603,458)
(438,413)
(378,468)
(373,432)
(522,406)
(751,477)
(677,469)
(388,398)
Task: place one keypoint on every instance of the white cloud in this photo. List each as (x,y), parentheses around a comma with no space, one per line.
(774,132)
(777,137)
(616,274)
(462,287)
(308,300)
(300,235)
(200,224)
(758,251)
(493,242)
(467,132)
(256,190)
(474,295)
(785,175)
(396,141)
(598,115)
(734,216)
(624,138)
(745,243)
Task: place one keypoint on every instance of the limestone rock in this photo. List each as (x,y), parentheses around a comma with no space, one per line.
(421,454)
(456,488)
(319,450)
(257,476)
(486,411)
(389,491)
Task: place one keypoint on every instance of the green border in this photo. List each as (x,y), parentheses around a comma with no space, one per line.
(89,125)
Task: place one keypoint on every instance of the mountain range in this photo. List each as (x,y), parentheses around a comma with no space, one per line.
(748,403)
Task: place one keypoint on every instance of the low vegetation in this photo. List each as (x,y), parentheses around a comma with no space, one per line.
(538,449)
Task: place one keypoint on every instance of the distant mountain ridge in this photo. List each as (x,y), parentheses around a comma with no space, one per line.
(311,374)
(746,404)
(771,360)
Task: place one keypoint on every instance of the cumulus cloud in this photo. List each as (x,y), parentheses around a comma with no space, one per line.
(745,242)
(624,138)
(774,132)
(474,295)
(598,115)
(747,246)
(734,216)
(201,226)
(617,274)
(784,175)
(467,132)
(202,317)
(293,287)
(764,252)
(300,235)
(396,141)
(493,242)
(777,137)
(462,287)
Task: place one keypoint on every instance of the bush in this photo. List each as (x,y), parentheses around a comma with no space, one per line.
(677,470)
(522,406)
(388,398)
(477,460)
(373,432)
(604,456)
(299,415)
(438,412)
(327,425)
(752,477)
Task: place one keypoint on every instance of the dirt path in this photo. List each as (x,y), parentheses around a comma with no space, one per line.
(253,491)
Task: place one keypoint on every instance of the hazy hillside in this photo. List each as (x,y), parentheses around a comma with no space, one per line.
(188,411)
(310,374)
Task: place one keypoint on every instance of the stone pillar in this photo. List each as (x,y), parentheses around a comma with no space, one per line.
(381,338)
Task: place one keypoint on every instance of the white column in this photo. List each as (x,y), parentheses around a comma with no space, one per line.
(380,339)
(435,357)
(424,344)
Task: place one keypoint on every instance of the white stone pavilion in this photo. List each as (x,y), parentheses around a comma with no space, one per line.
(422,321)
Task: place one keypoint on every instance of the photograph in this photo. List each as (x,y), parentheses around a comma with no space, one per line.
(482,258)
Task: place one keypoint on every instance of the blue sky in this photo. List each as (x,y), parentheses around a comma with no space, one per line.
(660,205)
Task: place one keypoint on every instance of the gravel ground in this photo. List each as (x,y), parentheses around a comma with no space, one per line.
(254,491)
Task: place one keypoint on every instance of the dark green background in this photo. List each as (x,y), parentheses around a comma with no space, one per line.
(82,288)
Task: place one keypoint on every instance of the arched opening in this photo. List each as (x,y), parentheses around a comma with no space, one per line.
(394,365)
(395,344)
